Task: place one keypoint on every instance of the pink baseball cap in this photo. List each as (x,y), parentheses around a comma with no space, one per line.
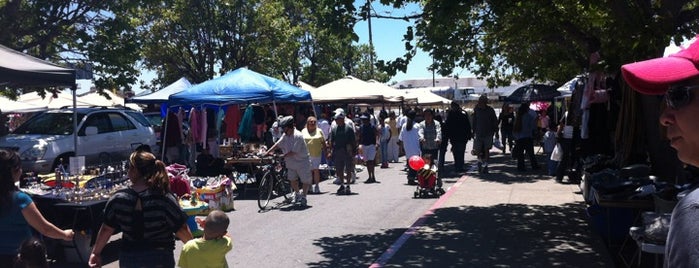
(654,76)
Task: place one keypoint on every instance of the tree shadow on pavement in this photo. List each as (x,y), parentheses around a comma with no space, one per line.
(499,236)
(503,169)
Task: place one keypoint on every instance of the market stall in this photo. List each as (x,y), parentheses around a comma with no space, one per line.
(238,87)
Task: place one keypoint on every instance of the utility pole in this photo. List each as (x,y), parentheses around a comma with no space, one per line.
(371,42)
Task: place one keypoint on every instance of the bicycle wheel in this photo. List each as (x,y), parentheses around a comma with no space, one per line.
(283,187)
(265,190)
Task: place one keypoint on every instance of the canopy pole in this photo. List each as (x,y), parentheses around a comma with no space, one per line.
(276,114)
(164,131)
(73,89)
(313,105)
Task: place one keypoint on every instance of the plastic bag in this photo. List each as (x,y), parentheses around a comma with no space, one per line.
(557,153)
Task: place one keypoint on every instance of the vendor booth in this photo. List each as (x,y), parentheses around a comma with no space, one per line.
(225,96)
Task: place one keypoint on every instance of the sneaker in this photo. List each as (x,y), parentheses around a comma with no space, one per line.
(302,200)
(341,190)
(294,198)
(316,189)
(347,190)
(370,180)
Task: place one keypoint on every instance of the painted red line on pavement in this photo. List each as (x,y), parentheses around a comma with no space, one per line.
(393,249)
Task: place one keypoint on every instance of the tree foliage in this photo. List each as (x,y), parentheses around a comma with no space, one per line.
(545,40)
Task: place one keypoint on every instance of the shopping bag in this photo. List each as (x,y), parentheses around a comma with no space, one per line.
(557,153)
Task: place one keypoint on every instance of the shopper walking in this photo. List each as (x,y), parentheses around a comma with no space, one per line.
(485,125)
(315,143)
(524,128)
(430,133)
(18,213)
(342,147)
(368,136)
(393,149)
(506,121)
(458,127)
(147,214)
(384,138)
(677,77)
(410,140)
(296,159)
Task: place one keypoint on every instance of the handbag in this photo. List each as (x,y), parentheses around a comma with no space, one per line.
(557,153)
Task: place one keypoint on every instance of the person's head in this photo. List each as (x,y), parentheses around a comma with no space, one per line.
(365,119)
(145,168)
(392,114)
(455,106)
(287,124)
(677,78)
(483,100)
(428,115)
(427,158)
(216,224)
(32,253)
(340,118)
(311,123)
(10,171)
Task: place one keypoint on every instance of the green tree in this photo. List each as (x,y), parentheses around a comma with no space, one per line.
(76,32)
(552,41)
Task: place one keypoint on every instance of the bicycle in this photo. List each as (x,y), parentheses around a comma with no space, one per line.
(273,183)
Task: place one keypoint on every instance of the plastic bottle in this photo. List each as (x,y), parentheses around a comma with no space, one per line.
(59,174)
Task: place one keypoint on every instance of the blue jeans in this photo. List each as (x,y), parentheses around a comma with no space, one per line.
(384,151)
(147,258)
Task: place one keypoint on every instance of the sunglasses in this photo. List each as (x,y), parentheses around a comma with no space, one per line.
(679,96)
(311,122)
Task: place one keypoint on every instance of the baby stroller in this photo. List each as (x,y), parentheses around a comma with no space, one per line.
(428,185)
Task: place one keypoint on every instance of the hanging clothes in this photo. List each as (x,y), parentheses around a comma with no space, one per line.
(232,119)
(245,128)
(195,125)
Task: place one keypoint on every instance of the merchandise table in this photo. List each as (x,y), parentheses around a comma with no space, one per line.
(249,165)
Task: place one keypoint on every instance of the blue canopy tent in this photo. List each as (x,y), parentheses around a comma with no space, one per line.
(241,86)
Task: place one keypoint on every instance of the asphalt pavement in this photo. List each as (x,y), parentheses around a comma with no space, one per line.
(506,218)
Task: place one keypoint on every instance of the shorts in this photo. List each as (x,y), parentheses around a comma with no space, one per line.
(369,152)
(482,144)
(343,162)
(304,173)
(315,162)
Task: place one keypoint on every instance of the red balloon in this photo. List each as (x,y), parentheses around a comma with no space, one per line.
(415,162)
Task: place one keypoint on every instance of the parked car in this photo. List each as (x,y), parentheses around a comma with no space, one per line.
(105,135)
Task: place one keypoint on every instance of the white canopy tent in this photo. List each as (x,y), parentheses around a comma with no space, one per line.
(389,94)
(62,99)
(100,100)
(10,106)
(425,96)
(347,89)
(162,95)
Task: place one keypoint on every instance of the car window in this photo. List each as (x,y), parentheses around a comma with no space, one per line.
(140,118)
(49,124)
(120,123)
(99,120)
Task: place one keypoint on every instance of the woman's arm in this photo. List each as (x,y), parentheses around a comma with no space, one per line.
(38,222)
(102,237)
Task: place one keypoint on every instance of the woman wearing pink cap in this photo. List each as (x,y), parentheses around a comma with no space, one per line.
(677,77)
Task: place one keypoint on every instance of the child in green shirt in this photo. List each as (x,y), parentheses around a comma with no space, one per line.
(210,250)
